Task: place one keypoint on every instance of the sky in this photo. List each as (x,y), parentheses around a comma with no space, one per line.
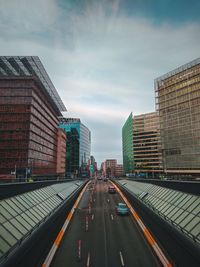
(103,55)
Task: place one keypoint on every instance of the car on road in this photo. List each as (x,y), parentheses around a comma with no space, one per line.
(122,209)
(111,190)
(105,179)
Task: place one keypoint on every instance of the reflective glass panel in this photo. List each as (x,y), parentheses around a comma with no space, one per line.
(4,245)
(4,212)
(19,226)
(13,230)
(2,218)
(7,236)
(9,209)
(28,219)
(13,205)
(21,220)
(31,216)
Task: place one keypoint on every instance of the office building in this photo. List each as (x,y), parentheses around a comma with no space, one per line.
(141,145)
(127,145)
(29,110)
(119,171)
(178,103)
(110,168)
(78,145)
(110,165)
(146,145)
(61,152)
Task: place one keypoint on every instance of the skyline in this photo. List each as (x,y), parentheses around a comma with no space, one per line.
(103,56)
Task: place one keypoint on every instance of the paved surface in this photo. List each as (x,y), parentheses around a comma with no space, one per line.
(108,241)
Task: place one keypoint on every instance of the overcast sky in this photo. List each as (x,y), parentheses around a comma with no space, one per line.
(103,55)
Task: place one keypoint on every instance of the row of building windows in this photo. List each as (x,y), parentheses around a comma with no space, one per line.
(15,108)
(15,100)
(41,149)
(42,156)
(24,117)
(44,109)
(40,132)
(14,135)
(181,87)
(36,138)
(178,77)
(15,92)
(14,126)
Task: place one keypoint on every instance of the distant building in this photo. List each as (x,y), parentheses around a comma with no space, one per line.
(127,145)
(29,110)
(110,168)
(61,153)
(110,165)
(146,145)
(178,103)
(93,166)
(119,170)
(78,145)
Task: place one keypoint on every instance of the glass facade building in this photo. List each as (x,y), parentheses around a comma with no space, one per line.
(146,143)
(78,143)
(178,103)
(127,145)
(141,144)
(29,110)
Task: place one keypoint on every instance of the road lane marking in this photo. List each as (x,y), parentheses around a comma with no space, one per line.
(79,250)
(121,258)
(56,243)
(163,259)
(86,223)
(112,217)
(89,209)
(88,260)
(92,216)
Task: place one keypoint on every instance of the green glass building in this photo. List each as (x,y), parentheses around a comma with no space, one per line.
(127,145)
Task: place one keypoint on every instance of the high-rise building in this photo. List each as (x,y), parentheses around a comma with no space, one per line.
(29,110)
(146,144)
(178,103)
(127,145)
(78,145)
(141,145)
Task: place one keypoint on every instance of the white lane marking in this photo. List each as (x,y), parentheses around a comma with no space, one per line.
(121,258)
(108,200)
(86,223)
(112,217)
(79,250)
(92,216)
(88,259)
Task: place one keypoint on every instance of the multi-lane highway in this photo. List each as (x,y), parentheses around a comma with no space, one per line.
(98,237)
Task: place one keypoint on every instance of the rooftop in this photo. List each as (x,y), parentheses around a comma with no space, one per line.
(30,66)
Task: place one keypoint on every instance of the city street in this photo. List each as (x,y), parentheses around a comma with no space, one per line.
(98,237)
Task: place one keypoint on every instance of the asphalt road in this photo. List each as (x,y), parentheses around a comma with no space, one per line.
(98,237)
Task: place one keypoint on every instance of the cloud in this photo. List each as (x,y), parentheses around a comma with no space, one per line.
(22,16)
